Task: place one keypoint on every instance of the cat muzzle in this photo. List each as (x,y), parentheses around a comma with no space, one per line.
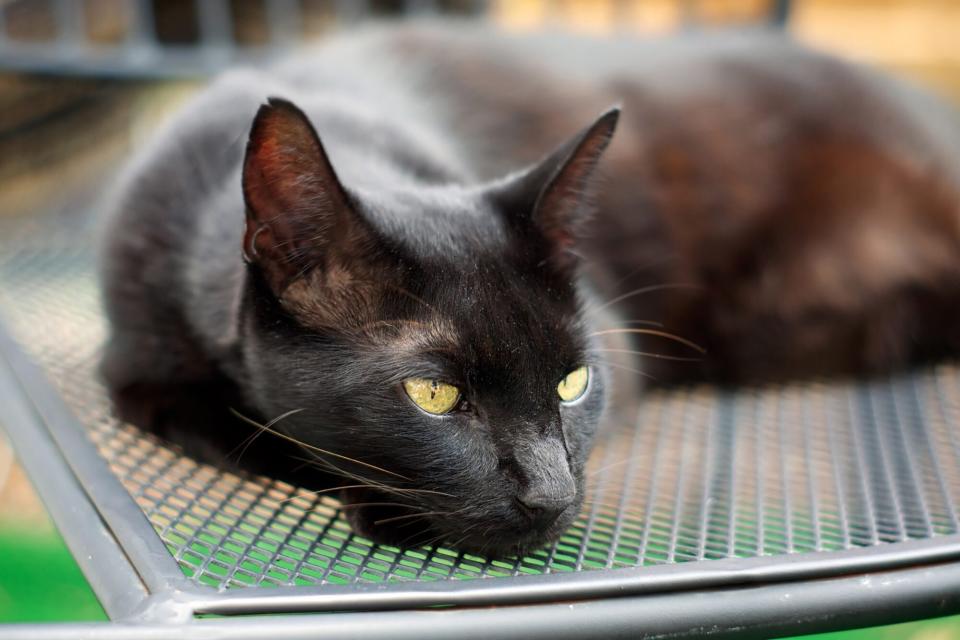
(548,488)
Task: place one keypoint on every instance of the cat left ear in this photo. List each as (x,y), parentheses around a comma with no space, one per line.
(551,195)
(297,210)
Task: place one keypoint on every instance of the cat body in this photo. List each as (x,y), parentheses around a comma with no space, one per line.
(408,214)
(792,213)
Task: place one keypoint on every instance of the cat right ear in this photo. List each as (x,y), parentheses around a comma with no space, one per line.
(551,196)
(297,209)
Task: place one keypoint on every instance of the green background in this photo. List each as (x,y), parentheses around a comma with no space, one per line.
(39,580)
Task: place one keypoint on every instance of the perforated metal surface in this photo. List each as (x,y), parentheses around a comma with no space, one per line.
(702,475)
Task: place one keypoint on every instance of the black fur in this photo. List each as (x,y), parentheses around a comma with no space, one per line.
(340,293)
(802,212)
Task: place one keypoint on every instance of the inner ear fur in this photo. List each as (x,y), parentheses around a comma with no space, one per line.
(550,198)
(299,216)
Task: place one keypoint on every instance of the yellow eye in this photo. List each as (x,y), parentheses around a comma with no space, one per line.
(574,384)
(432,396)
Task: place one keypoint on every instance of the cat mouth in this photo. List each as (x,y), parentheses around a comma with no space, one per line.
(389,521)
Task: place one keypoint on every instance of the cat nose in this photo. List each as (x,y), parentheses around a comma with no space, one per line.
(542,509)
(547,487)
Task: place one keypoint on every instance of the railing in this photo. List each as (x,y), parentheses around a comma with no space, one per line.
(198,37)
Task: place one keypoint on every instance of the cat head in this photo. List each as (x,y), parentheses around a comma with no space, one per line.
(427,344)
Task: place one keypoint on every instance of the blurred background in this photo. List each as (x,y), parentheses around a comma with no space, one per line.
(85,82)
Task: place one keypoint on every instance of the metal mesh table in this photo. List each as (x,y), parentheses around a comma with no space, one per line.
(820,490)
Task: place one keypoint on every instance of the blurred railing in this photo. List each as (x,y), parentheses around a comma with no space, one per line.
(196,37)
(179,37)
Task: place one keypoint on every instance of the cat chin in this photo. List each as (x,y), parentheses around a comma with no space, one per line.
(368,514)
(511,544)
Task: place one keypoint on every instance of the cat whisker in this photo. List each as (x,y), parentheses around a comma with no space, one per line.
(652,332)
(472,528)
(412,515)
(658,356)
(304,494)
(617,365)
(436,541)
(398,490)
(358,505)
(243,446)
(641,291)
(463,538)
(373,484)
(649,264)
(426,543)
(314,448)
(466,532)
(649,323)
(402,492)
(379,486)
(607,467)
(570,252)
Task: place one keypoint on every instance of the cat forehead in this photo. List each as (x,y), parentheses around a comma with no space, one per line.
(496,312)
(486,347)
(456,300)
(437,222)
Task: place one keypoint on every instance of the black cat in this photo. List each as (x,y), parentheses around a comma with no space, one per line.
(431,327)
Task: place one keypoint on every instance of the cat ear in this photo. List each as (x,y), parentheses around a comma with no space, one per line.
(297,209)
(551,195)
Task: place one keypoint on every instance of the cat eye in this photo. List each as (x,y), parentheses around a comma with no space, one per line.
(432,396)
(574,384)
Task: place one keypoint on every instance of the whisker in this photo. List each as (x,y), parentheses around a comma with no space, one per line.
(653,332)
(649,264)
(346,474)
(256,434)
(314,448)
(372,484)
(426,543)
(641,291)
(358,505)
(647,354)
(375,485)
(617,365)
(607,467)
(329,466)
(304,494)
(649,323)
(411,515)
(465,535)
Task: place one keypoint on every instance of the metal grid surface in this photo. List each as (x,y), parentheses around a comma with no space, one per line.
(702,475)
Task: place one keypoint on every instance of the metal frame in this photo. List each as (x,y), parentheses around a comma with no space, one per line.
(90,507)
(142,588)
(805,607)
